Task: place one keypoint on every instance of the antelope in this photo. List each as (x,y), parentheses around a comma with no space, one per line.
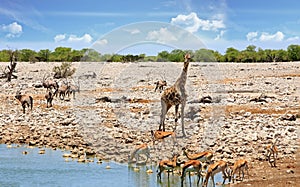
(62,90)
(161,135)
(228,171)
(49,83)
(49,97)
(168,165)
(26,100)
(239,165)
(73,89)
(272,150)
(213,169)
(205,156)
(160,85)
(140,149)
(192,166)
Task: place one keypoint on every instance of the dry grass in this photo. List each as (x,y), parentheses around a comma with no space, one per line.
(148,87)
(254,109)
(101,90)
(145,101)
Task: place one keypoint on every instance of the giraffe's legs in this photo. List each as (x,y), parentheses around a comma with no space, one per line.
(164,109)
(182,119)
(176,112)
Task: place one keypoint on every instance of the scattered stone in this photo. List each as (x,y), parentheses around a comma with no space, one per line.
(288,117)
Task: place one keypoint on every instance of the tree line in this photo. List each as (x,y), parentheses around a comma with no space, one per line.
(66,54)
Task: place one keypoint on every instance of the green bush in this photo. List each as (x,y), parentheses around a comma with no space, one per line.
(64,70)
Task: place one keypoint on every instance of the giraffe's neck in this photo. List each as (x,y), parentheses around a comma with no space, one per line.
(180,82)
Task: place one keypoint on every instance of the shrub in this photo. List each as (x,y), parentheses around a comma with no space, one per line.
(64,70)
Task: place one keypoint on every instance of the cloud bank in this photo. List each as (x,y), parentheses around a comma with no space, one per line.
(86,38)
(193,23)
(13,30)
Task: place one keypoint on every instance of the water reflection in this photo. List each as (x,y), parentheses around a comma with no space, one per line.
(141,177)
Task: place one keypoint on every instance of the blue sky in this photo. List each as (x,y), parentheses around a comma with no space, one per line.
(218,24)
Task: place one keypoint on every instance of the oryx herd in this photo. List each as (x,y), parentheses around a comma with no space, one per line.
(60,88)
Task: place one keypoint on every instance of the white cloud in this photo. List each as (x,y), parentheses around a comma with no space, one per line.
(101,42)
(278,36)
(13,30)
(264,36)
(86,38)
(220,35)
(59,37)
(293,39)
(193,23)
(251,36)
(163,35)
(133,31)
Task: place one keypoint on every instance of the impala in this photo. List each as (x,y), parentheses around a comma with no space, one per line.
(192,166)
(240,165)
(205,156)
(272,150)
(213,169)
(161,135)
(168,165)
(140,149)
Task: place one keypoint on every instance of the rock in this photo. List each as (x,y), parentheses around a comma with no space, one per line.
(247,114)
(290,171)
(103,99)
(90,152)
(227,150)
(38,84)
(288,117)
(42,151)
(32,143)
(128,140)
(67,121)
(88,75)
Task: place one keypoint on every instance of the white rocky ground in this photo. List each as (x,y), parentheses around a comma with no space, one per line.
(252,104)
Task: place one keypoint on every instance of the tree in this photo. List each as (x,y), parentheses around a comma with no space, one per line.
(91,55)
(27,55)
(76,55)
(204,55)
(4,55)
(177,55)
(61,54)
(261,55)
(293,52)
(249,54)
(142,56)
(273,55)
(43,55)
(8,71)
(163,56)
(105,57)
(231,55)
(116,58)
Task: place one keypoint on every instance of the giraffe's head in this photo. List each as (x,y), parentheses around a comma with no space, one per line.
(187,56)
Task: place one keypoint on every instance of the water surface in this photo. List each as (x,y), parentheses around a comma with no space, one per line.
(51,169)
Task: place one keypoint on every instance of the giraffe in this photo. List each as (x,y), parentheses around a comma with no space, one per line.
(175,95)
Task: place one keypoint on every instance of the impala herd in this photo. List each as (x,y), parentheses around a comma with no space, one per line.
(201,164)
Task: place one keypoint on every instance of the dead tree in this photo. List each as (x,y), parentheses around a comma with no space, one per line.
(8,71)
